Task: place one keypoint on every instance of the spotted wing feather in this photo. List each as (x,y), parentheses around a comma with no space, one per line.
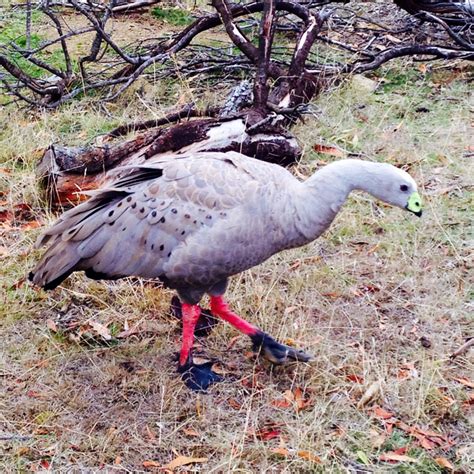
(148,222)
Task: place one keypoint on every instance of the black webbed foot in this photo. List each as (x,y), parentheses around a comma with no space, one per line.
(206,321)
(198,377)
(277,353)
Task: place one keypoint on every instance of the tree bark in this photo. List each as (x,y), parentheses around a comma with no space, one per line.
(65,172)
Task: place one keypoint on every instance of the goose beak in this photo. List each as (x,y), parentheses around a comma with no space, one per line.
(414,204)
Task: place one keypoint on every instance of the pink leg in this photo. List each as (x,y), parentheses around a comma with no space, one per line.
(262,343)
(190,317)
(221,309)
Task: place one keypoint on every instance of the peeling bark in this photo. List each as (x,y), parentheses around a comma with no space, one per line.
(65,172)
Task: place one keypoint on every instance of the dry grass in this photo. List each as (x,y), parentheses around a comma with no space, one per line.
(359,299)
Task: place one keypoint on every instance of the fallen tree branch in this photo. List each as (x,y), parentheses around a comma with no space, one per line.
(187,112)
(464,348)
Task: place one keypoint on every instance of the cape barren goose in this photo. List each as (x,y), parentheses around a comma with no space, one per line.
(195,220)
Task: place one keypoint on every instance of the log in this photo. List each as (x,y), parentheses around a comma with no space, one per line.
(65,172)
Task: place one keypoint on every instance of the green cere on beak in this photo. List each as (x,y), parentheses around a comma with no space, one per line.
(414,204)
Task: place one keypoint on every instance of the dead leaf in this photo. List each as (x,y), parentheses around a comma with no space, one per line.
(51,325)
(183,461)
(426,443)
(328,150)
(370,394)
(382,413)
(31,225)
(234,403)
(268,434)
(281,403)
(147,464)
(377,439)
(465,381)
(35,394)
(280,451)
(443,462)
(407,371)
(394,39)
(309,456)
(150,434)
(355,378)
(394,456)
(469,402)
(191,432)
(101,330)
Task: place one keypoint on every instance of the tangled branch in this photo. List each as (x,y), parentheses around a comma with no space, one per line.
(350,39)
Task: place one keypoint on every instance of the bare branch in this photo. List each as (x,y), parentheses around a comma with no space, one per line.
(267,31)
(437,52)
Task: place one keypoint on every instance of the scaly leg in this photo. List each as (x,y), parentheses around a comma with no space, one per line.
(196,377)
(262,342)
(206,321)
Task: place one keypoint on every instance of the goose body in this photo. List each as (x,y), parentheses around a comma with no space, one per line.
(195,220)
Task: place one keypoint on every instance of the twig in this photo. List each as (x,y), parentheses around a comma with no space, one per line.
(267,31)
(10,437)
(464,348)
(188,111)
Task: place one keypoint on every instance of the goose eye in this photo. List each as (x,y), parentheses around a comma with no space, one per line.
(403,187)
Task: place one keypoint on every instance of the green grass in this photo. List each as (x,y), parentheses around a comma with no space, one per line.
(173,16)
(13,31)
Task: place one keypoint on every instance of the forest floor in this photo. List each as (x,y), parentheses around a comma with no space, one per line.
(88,380)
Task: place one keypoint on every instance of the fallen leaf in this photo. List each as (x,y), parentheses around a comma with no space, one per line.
(191,432)
(101,330)
(382,413)
(377,439)
(363,457)
(407,371)
(280,451)
(31,225)
(151,464)
(328,150)
(470,401)
(465,381)
(309,456)
(281,403)
(183,461)
(35,394)
(392,456)
(267,435)
(401,450)
(370,394)
(426,443)
(150,434)
(355,378)
(51,325)
(234,403)
(443,462)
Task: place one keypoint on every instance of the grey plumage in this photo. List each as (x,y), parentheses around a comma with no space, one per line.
(194,220)
(191,221)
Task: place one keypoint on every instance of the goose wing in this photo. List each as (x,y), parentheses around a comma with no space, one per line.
(137,225)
